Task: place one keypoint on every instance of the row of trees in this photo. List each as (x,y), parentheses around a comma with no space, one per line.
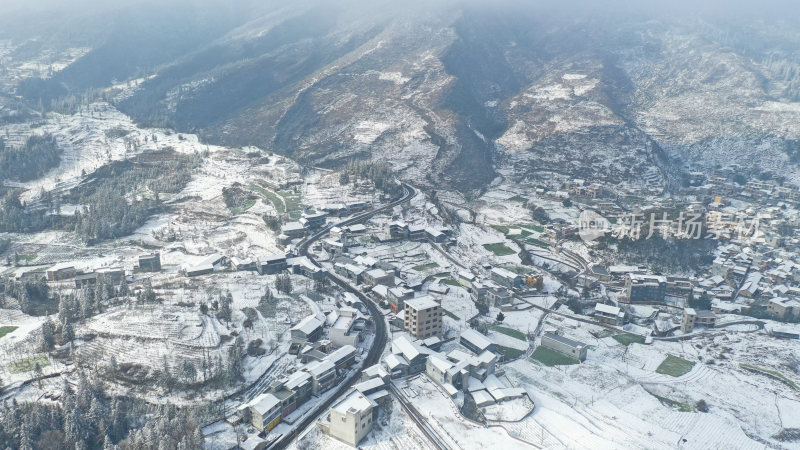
(117,200)
(210,371)
(27,293)
(88,418)
(379,173)
(39,154)
(14,218)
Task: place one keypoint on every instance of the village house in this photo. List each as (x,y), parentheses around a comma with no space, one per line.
(476,342)
(350,419)
(608,314)
(783,308)
(271,264)
(697,317)
(265,412)
(308,329)
(150,263)
(566,346)
(507,278)
(60,272)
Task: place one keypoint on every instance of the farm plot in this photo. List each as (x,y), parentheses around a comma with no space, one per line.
(551,358)
(675,366)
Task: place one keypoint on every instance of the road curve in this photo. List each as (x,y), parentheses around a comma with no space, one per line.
(378,343)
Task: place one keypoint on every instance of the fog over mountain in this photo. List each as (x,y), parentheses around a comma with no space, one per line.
(390,225)
(451,91)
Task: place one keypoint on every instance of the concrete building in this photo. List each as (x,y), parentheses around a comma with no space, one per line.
(423,317)
(507,278)
(342,358)
(783,308)
(566,346)
(347,327)
(265,412)
(308,329)
(150,263)
(350,419)
(271,264)
(693,317)
(60,272)
(476,342)
(378,276)
(323,374)
(300,383)
(497,296)
(397,297)
(611,315)
(645,288)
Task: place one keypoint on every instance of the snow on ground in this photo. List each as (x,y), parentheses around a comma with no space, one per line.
(393,429)
(439,411)
(322,189)
(394,77)
(610,400)
(94,137)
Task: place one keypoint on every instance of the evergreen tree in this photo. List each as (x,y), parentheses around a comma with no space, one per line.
(224,312)
(48,335)
(69,333)
(189,372)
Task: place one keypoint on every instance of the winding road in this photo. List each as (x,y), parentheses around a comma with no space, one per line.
(378,344)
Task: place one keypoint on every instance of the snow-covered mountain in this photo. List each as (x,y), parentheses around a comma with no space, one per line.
(453,93)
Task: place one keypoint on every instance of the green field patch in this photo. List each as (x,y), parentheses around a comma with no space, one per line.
(245,206)
(273,198)
(519,199)
(294,204)
(536,228)
(28,364)
(450,315)
(26,257)
(682,407)
(628,339)
(499,249)
(6,329)
(675,366)
(550,357)
(451,282)
(537,242)
(424,267)
(519,270)
(774,373)
(508,352)
(516,334)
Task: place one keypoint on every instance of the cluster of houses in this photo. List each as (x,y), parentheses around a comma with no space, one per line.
(501,286)
(64,272)
(345,325)
(458,371)
(311,221)
(317,375)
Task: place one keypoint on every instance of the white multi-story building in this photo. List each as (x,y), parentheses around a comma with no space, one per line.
(351,418)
